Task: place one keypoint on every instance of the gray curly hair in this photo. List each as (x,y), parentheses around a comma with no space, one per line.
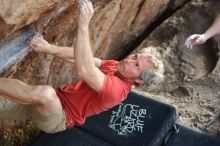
(155,75)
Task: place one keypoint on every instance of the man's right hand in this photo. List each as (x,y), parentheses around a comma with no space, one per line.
(39,45)
(194,40)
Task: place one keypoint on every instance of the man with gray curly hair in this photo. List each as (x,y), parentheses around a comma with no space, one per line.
(155,75)
(103,84)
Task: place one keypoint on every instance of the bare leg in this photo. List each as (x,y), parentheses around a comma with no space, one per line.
(43,98)
(17,91)
(40,102)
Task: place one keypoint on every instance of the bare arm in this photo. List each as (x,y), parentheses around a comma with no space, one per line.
(196,39)
(39,45)
(84,59)
(214,29)
(62,52)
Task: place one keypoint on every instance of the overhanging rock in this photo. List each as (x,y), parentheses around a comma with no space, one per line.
(13,49)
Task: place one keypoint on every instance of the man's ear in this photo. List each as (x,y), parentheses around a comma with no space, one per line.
(139,81)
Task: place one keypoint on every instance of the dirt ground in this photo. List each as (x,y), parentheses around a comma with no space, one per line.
(198,102)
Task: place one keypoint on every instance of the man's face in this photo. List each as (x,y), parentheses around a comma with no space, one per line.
(133,65)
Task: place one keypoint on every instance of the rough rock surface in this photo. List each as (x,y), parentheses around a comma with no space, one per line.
(16,14)
(114,24)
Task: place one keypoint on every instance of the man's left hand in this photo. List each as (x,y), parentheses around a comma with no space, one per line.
(86,12)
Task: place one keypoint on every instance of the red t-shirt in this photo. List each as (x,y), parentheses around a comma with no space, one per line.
(79,100)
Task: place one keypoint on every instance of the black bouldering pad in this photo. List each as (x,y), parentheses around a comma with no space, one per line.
(192,137)
(70,137)
(138,121)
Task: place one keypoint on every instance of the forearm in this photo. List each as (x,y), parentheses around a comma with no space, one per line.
(65,53)
(40,45)
(214,29)
(83,55)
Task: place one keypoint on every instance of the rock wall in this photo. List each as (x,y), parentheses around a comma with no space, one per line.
(114,24)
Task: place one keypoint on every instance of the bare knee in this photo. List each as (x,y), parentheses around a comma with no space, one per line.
(44,94)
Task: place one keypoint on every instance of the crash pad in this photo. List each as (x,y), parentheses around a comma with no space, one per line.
(186,136)
(138,121)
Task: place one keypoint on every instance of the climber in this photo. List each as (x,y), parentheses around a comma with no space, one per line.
(196,39)
(103,84)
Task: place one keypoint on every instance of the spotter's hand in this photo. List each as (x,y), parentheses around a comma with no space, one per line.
(194,40)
